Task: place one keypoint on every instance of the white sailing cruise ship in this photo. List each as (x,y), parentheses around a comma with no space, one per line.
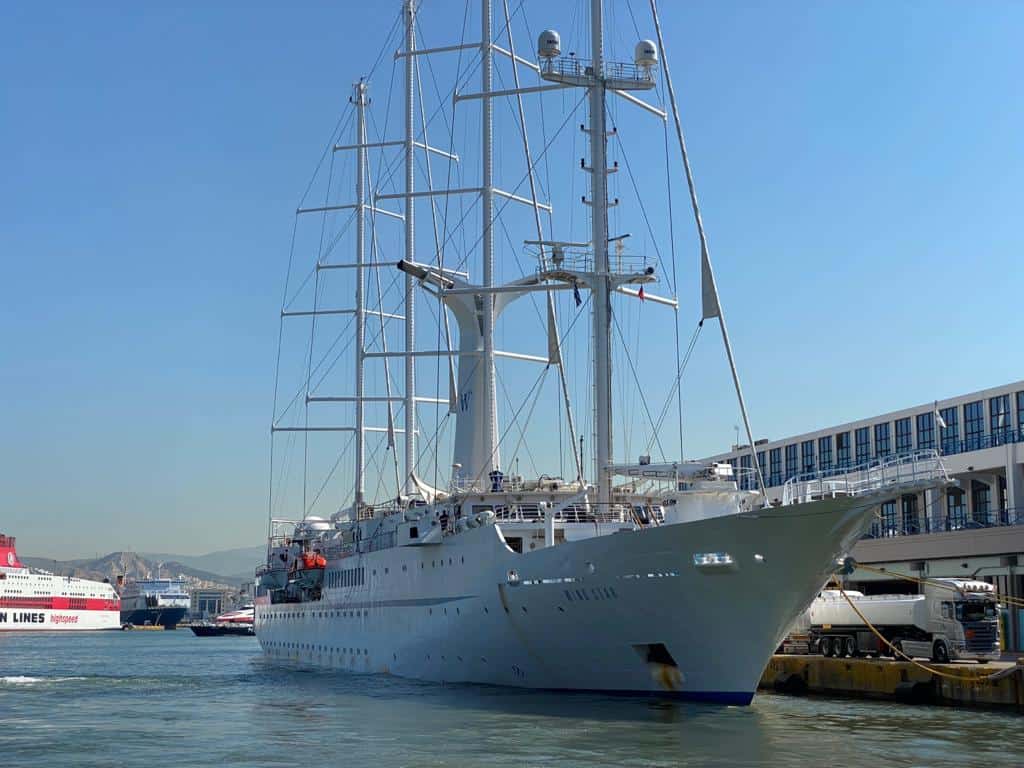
(36,600)
(653,576)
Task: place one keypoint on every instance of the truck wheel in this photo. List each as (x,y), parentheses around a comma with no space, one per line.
(826,647)
(898,645)
(940,653)
(850,647)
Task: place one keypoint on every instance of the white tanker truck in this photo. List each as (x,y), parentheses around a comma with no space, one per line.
(951,619)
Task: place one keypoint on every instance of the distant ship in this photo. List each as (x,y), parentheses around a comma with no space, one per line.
(154,602)
(237,622)
(37,600)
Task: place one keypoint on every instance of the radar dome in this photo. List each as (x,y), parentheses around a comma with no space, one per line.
(549,44)
(646,54)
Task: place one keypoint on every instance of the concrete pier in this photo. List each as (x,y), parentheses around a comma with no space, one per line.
(890,680)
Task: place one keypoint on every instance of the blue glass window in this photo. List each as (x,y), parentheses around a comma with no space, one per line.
(888,519)
(763,465)
(949,434)
(791,461)
(981,500)
(883,445)
(843,450)
(999,419)
(807,457)
(1020,415)
(904,435)
(956,509)
(747,480)
(825,453)
(974,424)
(925,430)
(908,514)
(863,440)
(775,471)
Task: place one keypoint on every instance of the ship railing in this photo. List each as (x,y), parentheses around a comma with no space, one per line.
(574,513)
(576,68)
(582,260)
(914,467)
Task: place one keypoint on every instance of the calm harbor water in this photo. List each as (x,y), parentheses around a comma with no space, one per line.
(169,698)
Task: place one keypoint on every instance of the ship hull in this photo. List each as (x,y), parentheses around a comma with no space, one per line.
(167,618)
(630,612)
(57,620)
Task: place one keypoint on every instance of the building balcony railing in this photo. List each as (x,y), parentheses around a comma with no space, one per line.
(916,524)
(1007,435)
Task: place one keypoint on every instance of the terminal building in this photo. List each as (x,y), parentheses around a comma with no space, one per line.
(974,528)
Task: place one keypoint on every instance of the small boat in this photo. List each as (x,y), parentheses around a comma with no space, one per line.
(239,622)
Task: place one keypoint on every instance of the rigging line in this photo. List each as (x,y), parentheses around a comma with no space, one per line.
(339,128)
(439,246)
(323,359)
(501,208)
(543,122)
(312,336)
(675,278)
(640,391)
(679,375)
(337,463)
(375,255)
(508,429)
(636,191)
(388,45)
(526,423)
(277,369)
(437,239)
(632,18)
(706,271)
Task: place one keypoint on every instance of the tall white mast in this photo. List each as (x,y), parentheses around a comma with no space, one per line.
(487,205)
(602,330)
(410,244)
(359,97)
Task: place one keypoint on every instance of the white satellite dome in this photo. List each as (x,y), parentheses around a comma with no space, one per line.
(646,54)
(549,44)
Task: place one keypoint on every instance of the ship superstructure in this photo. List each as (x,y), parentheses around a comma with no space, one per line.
(154,602)
(32,599)
(646,576)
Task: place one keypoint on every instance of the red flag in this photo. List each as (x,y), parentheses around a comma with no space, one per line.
(640,293)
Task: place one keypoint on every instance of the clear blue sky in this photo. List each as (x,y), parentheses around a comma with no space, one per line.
(859,164)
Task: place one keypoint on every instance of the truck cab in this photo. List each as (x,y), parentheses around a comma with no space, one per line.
(964,619)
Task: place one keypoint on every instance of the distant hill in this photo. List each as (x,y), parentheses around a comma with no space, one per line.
(134,566)
(238,564)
